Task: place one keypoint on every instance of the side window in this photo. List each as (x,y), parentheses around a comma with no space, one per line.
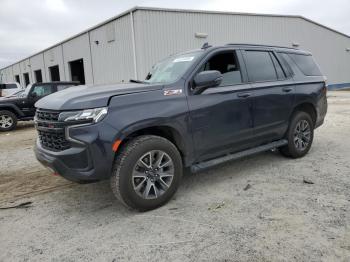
(306,64)
(43,90)
(260,66)
(227,64)
(288,61)
(279,70)
(62,87)
(8,86)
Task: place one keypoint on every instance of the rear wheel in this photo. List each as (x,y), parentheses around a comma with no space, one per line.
(300,135)
(8,121)
(147,172)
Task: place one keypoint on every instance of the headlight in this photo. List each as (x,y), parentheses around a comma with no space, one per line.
(84,116)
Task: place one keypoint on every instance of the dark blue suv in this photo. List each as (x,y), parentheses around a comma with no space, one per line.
(195,109)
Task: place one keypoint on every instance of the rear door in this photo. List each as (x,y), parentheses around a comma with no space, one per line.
(273,94)
(221,117)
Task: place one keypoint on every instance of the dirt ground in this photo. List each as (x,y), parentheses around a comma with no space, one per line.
(255,209)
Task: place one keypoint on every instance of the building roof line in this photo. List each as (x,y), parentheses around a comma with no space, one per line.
(76,35)
(135,8)
(236,13)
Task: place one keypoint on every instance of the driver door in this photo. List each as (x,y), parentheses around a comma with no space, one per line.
(221,117)
(37,92)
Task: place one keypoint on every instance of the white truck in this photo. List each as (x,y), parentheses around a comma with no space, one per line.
(8,89)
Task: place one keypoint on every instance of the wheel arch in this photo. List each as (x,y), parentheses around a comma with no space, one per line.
(308,108)
(11,108)
(168,132)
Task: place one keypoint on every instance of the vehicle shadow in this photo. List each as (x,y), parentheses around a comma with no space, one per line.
(24,125)
(94,197)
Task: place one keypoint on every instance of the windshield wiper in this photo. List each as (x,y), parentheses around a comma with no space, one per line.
(137,81)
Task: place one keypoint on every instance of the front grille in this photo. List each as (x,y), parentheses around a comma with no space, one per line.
(47,115)
(51,131)
(53,141)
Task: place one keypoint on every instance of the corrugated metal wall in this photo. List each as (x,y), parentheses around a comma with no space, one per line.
(17,71)
(107,50)
(160,33)
(6,75)
(54,57)
(78,48)
(111,49)
(37,63)
(25,69)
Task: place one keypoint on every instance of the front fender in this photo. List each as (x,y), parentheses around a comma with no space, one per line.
(134,112)
(4,106)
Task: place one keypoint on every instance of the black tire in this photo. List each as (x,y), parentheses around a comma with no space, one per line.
(127,163)
(298,143)
(8,121)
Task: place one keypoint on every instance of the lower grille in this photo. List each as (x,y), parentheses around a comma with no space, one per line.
(51,131)
(53,141)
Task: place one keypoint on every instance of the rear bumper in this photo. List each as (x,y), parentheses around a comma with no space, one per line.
(319,122)
(90,158)
(322,107)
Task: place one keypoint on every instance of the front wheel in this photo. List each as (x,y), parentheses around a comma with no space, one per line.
(147,172)
(8,121)
(300,135)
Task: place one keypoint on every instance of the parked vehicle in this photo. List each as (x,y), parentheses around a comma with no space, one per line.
(15,94)
(9,89)
(196,109)
(20,107)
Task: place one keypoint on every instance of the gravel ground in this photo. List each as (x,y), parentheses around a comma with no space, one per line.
(255,209)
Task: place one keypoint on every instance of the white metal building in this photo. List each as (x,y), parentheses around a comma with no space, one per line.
(126,46)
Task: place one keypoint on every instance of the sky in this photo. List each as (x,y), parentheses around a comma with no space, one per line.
(28,26)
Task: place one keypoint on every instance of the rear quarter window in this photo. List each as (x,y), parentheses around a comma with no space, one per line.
(306,64)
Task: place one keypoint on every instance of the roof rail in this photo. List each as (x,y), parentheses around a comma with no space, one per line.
(262,45)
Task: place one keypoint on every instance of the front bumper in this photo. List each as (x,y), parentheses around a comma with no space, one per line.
(90,158)
(57,163)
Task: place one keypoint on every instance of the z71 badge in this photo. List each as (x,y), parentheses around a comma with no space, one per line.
(172,92)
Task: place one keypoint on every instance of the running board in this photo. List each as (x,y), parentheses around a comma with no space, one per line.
(248,152)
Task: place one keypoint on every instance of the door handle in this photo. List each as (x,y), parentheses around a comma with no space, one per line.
(287,89)
(244,95)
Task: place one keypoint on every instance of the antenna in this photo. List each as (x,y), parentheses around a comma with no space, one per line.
(205,45)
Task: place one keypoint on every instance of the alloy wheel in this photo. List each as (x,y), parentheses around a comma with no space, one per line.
(6,121)
(153,174)
(302,135)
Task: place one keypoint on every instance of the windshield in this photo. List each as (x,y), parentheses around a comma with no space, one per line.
(172,68)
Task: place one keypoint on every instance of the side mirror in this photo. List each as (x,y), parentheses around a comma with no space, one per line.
(206,79)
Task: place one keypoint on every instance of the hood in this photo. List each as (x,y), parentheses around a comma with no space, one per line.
(90,96)
(13,99)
